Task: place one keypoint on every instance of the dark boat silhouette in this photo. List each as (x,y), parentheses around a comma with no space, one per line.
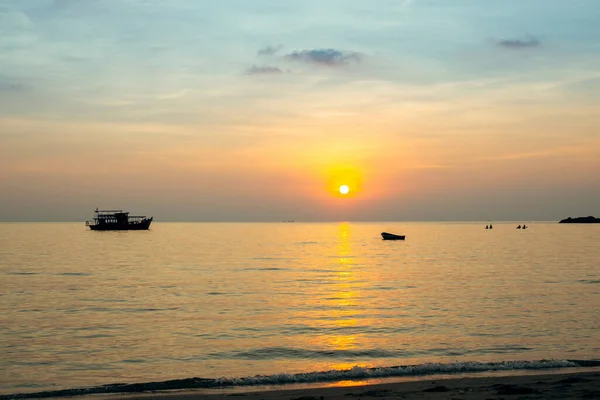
(391,236)
(118,220)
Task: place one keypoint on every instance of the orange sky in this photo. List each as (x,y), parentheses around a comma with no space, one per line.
(488,121)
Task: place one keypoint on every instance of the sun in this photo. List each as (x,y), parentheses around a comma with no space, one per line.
(344,189)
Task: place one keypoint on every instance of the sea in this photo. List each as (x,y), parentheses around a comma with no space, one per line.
(231,305)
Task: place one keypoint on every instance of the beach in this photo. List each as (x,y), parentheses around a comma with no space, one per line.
(575,385)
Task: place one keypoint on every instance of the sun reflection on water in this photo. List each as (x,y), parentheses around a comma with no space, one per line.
(344,296)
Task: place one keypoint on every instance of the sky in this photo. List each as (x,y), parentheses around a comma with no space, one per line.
(236,110)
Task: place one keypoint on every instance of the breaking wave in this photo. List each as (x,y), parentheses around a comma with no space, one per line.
(313,377)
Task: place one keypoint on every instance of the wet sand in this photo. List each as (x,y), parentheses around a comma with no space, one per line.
(577,385)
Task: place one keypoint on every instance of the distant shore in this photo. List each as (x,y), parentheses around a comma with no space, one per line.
(580,220)
(571,385)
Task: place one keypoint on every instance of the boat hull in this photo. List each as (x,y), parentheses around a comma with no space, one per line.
(134,226)
(391,236)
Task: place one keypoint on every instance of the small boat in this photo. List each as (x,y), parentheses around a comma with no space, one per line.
(391,236)
(118,220)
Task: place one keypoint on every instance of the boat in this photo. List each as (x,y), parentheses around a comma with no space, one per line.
(391,236)
(118,220)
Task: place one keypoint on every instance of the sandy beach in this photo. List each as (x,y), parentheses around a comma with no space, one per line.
(577,385)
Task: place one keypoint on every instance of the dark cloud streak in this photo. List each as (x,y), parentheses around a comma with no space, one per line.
(528,41)
(328,57)
(262,70)
(269,50)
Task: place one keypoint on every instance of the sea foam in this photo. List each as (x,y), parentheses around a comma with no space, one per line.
(314,377)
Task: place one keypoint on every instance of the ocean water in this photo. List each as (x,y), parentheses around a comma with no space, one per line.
(263,303)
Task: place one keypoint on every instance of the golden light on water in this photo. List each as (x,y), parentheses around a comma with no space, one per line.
(350,383)
(345,298)
(344,295)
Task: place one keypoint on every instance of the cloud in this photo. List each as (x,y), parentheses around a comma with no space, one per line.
(64,3)
(407,3)
(269,50)
(329,57)
(11,86)
(527,41)
(12,22)
(262,70)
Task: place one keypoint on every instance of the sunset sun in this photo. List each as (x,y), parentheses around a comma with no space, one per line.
(344,189)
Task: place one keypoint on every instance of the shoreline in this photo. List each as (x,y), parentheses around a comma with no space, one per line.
(357,376)
(581,382)
(558,384)
(555,383)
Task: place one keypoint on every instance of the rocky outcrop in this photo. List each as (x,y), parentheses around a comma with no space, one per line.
(580,220)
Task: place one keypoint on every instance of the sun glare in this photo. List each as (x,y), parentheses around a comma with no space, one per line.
(343,182)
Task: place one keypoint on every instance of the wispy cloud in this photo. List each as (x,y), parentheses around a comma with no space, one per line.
(553,152)
(269,50)
(60,4)
(329,57)
(519,43)
(13,21)
(7,85)
(407,3)
(262,70)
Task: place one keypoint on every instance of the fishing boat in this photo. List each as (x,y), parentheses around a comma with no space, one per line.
(391,236)
(118,220)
